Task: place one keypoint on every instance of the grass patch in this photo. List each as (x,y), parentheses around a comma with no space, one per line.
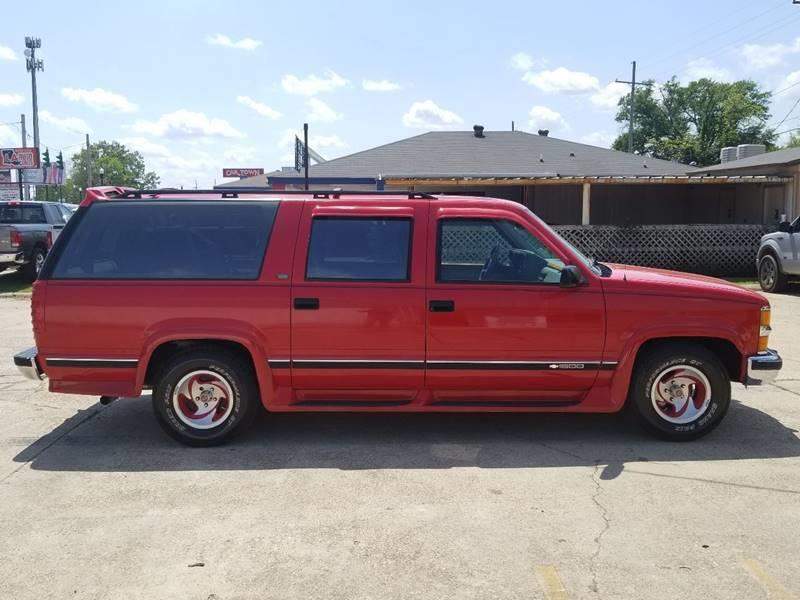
(12,282)
(746,281)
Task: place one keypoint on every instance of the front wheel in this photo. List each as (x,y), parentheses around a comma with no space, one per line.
(769,274)
(202,397)
(680,391)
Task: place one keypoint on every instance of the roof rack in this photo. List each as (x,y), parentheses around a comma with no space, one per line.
(236,192)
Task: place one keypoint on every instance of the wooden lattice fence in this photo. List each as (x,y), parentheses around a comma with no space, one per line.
(723,250)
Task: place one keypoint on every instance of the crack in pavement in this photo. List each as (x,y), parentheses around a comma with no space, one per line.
(598,540)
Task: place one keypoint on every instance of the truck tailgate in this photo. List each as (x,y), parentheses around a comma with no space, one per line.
(5,238)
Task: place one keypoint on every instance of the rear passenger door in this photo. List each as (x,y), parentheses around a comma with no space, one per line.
(358,303)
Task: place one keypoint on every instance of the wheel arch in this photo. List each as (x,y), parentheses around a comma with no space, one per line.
(159,351)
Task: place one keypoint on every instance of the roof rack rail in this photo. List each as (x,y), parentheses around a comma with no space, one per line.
(232,192)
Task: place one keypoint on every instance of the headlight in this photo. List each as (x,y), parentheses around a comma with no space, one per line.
(764,328)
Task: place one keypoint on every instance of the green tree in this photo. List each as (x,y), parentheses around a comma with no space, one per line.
(693,122)
(794,141)
(121,166)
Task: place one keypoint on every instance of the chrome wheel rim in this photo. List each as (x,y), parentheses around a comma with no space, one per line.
(38,262)
(203,399)
(767,272)
(681,394)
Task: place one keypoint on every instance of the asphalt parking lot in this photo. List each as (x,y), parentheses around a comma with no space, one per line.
(95,502)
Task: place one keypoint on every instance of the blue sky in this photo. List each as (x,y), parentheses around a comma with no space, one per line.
(198,86)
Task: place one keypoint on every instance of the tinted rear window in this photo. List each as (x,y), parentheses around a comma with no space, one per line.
(21,213)
(359,249)
(168,240)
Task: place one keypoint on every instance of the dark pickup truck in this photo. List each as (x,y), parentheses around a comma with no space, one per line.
(27,231)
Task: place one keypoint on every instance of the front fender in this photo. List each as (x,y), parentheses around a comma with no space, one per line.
(620,383)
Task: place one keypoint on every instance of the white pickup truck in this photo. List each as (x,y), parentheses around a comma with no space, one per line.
(779,257)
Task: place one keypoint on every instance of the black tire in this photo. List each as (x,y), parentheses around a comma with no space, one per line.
(656,365)
(770,276)
(233,370)
(31,270)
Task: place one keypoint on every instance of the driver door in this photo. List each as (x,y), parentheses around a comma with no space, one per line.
(500,329)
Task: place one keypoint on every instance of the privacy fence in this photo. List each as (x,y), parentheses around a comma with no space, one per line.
(723,250)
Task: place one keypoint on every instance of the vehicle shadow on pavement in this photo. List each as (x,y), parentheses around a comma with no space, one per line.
(124,437)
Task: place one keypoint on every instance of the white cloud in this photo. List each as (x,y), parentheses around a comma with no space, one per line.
(11,99)
(7,53)
(68,124)
(321,112)
(562,80)
(604,139)
(522,61)
(542,115)
(100,99)
(701,68)
(427,114)
(791,79)
(313,84)
(187,124)
(759,56)
(242,44)
(260,108)
(608,96)
(326,141)
(383,85)
(9,137)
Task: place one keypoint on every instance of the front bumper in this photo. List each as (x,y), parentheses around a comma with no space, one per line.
(25,361)
(763,367)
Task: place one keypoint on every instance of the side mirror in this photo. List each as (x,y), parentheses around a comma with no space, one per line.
(784,226)
(571,277)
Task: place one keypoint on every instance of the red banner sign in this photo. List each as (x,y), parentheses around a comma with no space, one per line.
(242,172)
(19,158)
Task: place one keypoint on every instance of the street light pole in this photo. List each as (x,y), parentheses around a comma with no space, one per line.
(33,64)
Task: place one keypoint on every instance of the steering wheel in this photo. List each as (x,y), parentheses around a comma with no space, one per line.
(492,262)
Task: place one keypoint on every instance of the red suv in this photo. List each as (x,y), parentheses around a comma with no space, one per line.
(223,301)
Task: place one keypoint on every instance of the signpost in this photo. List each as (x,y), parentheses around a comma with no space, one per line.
(238,172)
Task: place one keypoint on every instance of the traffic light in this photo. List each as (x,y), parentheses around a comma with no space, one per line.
(60,160)
(46,157)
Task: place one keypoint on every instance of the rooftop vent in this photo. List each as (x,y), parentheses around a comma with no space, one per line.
(544,132)
(478,131)
(748,150)
(727,154)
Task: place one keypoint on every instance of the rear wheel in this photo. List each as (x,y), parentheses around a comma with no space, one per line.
(680,391)
(32,269)
(202,397)
(770,276)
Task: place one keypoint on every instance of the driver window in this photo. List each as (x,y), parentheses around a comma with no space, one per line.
(493,251)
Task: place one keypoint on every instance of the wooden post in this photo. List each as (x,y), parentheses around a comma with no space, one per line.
(587,204)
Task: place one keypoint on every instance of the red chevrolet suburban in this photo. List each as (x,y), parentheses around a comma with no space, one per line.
(223,301)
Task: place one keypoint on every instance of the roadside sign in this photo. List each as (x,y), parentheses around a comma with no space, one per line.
(9,192)
(34,176)
(237,172)
(19,158)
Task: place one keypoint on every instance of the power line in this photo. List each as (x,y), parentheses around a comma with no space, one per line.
(781,122)
(749,20)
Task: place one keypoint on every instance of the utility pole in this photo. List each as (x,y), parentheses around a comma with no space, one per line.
(24,193)
(305,152)
(633,83)
(88,163)
(33,64)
